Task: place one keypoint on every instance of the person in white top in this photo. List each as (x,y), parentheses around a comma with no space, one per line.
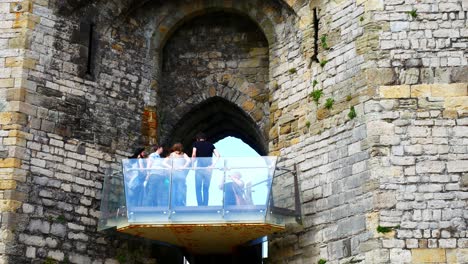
(180,163)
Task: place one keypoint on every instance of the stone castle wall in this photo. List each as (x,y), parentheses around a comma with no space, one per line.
(400,163)
(60,132)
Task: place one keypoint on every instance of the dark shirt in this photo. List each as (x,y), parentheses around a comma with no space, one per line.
(204,149)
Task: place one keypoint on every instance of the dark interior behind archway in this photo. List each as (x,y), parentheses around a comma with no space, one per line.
(218,118)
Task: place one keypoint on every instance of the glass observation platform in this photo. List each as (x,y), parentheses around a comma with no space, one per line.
(203,205)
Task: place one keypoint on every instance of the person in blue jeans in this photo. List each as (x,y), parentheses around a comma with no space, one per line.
(179,162)
(136,166)
(157,180)
(205,150)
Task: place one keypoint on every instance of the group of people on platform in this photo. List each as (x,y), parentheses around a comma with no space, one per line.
(150,185)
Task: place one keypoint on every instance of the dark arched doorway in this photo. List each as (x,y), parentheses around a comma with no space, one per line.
(218,118)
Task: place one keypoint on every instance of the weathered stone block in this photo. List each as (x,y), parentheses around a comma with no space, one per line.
(457,166)
(430,167)
(449,90)
(464,180)
(400,255)
(7,184)
(458,103)
(457,255)
(6,83)
(383,76)
(396,91)
(10,163)
(428,255)
(422,90)
(9,205)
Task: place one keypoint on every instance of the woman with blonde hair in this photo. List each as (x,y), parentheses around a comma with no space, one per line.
(180,162)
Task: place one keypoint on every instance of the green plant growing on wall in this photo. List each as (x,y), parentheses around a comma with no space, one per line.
(349,97)
(352,113)
(321,261)
(49,260)
(323,40)
(275,85)
(121,258)
(60,219)
(361,18)
(323,63)
(314,83)
(413,13)
(329,103)
(292,71)
(307,124)
(386,229)
(316,94)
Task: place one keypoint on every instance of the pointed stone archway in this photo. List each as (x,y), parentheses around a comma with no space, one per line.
(218,118)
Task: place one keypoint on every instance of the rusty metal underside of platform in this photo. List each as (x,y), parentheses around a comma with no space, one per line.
(203,238)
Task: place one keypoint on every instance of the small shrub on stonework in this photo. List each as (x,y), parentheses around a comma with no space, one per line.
(386,229)
(413,13)
(321,261)
(60,219)
(50,260)
(323,40)
(323,63)
(329,103)
(314,83)
(316,94)
(352,113)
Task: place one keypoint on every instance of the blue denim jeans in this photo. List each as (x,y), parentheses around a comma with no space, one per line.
(202,186)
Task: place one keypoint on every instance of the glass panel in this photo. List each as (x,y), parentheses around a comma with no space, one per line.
(283,195)
(247,188)
(147,185)
(196,197)
(113,206)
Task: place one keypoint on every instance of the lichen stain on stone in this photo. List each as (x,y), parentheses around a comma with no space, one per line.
(150,125)
(117,47)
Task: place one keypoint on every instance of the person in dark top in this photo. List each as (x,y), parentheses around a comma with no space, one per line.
(205,150)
